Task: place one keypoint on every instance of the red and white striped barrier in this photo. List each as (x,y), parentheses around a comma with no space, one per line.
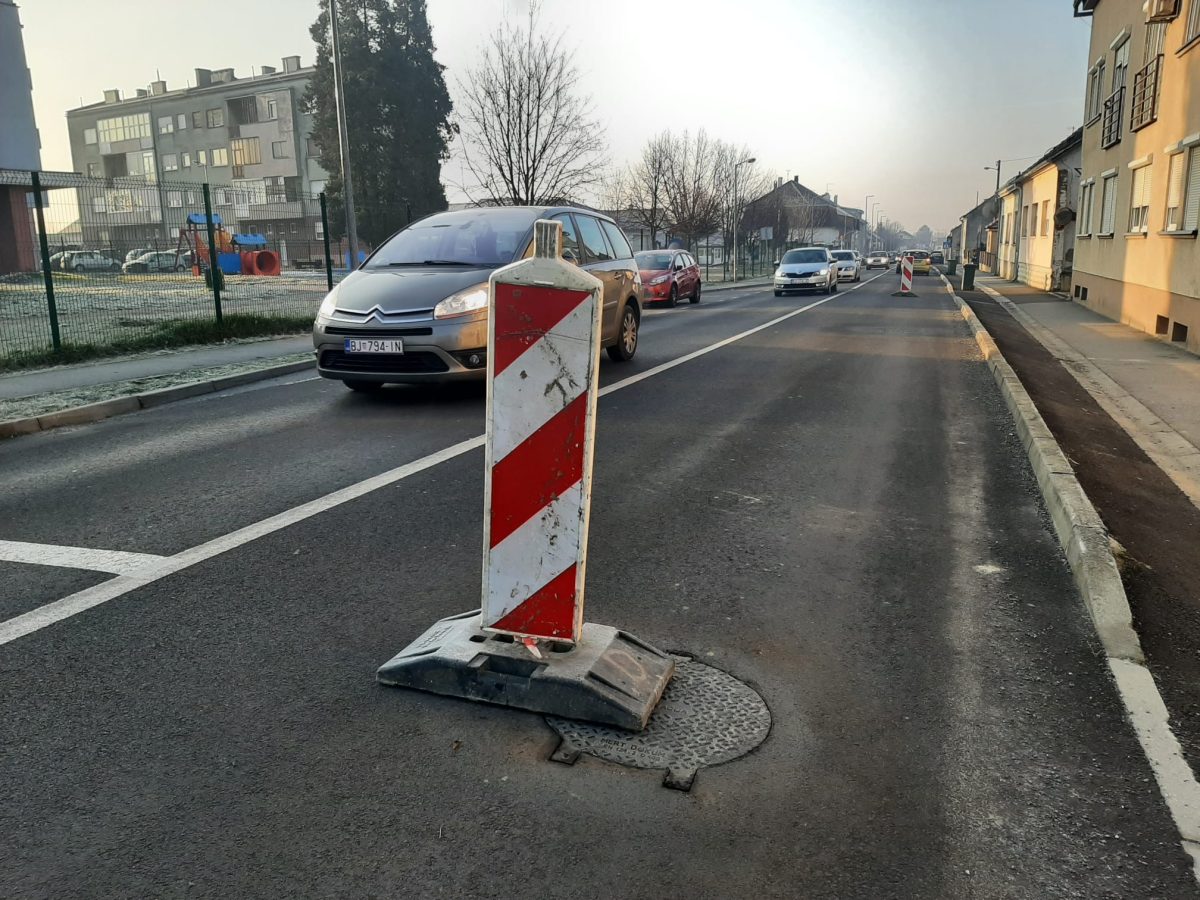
(541,420)
(906,275)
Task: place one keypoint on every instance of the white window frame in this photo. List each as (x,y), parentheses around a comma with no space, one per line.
(1087,206)
(89,136)
(166,125)
(170,162)
(1192,32)
(1139,196)
(1108,205)
(181,122)
(175,199)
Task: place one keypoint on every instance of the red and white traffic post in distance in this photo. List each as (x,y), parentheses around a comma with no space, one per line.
(543,365)
(906,277)
(528,645)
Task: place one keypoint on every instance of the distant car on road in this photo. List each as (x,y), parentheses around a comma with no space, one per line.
(937,258)
(847,265)
(668,275)
(877,259)
(89,261)
(155,261)
(806,269)
(416,310)
(920,258)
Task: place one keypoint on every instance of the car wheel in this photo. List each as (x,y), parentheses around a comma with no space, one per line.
(674,298)
(114,268)
(695,298)
(79,270)
(627,338)
(835,288)
(779,293)
(179,268)
(364,387)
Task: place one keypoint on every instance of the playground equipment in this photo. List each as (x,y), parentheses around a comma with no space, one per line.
(237,254)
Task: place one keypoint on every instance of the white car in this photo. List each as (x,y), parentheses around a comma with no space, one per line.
(847,265)
(877,259)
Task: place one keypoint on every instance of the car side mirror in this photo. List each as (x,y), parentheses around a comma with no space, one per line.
(678,267)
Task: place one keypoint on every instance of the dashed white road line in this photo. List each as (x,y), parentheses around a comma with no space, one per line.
(58,610)
(118,562)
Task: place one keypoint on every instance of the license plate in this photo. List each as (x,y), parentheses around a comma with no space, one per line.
(374,345)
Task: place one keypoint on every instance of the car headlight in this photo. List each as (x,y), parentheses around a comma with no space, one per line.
(463,303)
(661,279)
(823,272)
(328,305)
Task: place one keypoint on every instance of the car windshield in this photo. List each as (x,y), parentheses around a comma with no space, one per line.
(919,254)
(792,257)
(843,254)
(469,237)
(652,261)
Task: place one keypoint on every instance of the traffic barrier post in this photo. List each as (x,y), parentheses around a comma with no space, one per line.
(528,645)
(906,278)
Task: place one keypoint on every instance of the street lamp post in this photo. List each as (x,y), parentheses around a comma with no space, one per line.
(866,207)
(996,167)
(747,161)
(339,99)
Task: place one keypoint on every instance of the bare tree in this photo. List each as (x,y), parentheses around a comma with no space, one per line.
(739,185)
(692,185)
(645,184)
(530,136)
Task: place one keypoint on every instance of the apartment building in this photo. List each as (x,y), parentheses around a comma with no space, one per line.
(1137,257)
(249,137)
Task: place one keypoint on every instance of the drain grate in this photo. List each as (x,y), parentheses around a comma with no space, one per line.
(706,717)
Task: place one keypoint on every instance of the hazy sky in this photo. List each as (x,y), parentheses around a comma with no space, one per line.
(903,99)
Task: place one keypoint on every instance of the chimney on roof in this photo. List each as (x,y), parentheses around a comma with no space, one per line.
(268,70)
(203,77)
(223,76)
(142,92)
(796,178)
(112,96)
(291,64)
(157,88)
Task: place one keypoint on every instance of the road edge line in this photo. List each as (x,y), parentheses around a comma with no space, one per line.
(1090,557)
(1138,421)
(115,406)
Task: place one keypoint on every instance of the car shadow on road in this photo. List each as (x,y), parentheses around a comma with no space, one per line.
(401,395)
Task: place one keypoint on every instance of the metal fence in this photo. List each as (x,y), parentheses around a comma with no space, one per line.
(110,265)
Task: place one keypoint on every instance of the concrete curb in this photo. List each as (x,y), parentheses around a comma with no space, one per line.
(104,409)
(1078,526)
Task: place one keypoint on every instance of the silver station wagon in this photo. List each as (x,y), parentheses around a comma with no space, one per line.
(416,310)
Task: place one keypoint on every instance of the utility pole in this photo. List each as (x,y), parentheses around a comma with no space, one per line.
(867,215)
(748,161)
(339,99)
(997,168)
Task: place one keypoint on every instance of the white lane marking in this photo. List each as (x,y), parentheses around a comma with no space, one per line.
(73,604)
(1175,778)
(118,562)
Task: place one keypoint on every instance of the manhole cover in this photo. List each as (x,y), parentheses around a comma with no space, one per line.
(706,717)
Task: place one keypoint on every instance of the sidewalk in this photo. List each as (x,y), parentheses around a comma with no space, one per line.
(167,362)
(1150,387)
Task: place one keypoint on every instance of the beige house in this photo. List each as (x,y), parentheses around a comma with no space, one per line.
(1137,257)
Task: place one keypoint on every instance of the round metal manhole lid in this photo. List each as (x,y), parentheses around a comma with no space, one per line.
(706,717)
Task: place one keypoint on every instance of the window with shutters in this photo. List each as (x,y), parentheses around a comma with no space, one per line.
(1095,91)
(1175,171)
(1191,199)
(1193,23)
(1108,205)
(1120,73)
(1045,218)
(1139,201)
(1086,202)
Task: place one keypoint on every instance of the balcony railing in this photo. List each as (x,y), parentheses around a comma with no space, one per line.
(1111,130)
(1144,104)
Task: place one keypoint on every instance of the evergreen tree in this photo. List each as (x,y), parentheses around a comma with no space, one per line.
(397,110)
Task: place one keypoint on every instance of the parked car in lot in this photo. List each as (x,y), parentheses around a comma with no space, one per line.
(806,269)
(847,265)
(877,259)
(920,258)
(416,310)
(89,261)
(668,275)
(155,261)
(135,253)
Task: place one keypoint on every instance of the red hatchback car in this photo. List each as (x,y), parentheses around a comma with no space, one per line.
(668,275)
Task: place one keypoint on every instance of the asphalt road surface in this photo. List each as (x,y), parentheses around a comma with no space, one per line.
(834,509)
